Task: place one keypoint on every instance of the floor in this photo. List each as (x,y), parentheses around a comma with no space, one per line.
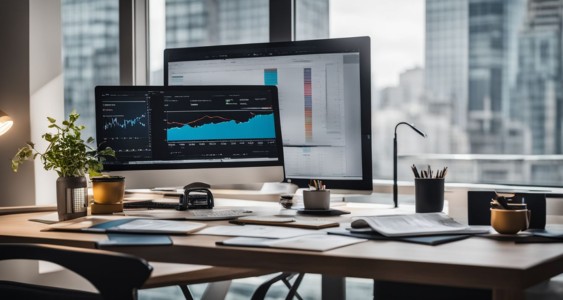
(310,288)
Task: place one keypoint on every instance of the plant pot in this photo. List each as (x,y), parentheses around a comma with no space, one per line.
(108,189)
(72,197)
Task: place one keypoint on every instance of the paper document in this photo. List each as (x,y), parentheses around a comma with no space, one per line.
(271,232)
(315,242)
(133,225)
(417,224)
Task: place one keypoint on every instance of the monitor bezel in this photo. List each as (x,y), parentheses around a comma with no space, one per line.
(340,45)
(188,166)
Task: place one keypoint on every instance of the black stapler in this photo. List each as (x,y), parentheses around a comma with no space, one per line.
(196,196)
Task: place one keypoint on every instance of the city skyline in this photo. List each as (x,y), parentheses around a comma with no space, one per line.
(481,76)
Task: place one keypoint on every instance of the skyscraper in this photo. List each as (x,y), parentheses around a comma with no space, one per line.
(539,88)
(493,49)
(191,23)
(91,54)
(446,55)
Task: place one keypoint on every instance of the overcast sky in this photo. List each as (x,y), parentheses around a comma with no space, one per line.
(396,28)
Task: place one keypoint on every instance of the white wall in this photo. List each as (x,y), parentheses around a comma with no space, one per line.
(46,85)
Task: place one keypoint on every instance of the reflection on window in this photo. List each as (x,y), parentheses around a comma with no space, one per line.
(488,88)
(192,23)
(91,54)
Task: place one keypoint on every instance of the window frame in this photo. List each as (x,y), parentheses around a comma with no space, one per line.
(134,35)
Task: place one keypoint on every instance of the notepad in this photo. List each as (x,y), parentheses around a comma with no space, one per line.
(128,225)
(317,242)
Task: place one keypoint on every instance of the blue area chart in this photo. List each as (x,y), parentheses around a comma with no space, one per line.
(257,127)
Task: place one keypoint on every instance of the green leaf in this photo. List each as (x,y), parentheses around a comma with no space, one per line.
(66,152)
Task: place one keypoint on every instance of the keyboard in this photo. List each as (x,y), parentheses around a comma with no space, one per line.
(218,213)
(150,205)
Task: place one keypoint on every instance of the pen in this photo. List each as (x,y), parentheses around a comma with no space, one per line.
(415,171)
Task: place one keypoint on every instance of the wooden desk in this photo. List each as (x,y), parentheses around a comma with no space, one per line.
(505,267)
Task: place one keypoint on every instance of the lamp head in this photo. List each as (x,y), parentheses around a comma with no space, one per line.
(417,130)
(411,126)
(5,122)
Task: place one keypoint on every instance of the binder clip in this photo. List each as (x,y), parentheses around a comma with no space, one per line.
(196,196)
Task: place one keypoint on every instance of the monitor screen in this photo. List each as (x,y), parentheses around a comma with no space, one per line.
(324,94)
(178,135)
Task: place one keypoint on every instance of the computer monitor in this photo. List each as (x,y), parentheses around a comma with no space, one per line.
(324,94)
(172,136)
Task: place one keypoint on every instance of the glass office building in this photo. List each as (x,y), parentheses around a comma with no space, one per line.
(498,65)
(191,23)
(446,57)
(539,89)
(90,53)
(492,63)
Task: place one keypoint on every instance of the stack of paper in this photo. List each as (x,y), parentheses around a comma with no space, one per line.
(415,225)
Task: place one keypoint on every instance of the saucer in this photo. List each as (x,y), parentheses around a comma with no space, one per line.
(322,212)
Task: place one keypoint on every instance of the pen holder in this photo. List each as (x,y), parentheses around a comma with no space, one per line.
(429,194)
(316,199)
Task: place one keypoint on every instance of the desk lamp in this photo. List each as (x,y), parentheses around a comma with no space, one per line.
(5,122)
(395,192)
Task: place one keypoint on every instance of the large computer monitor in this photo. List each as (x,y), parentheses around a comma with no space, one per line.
(324,94)
(172,136)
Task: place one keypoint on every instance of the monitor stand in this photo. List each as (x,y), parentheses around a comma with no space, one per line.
(269,191)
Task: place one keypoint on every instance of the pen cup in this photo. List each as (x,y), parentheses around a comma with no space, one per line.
(316,199)
(429,194)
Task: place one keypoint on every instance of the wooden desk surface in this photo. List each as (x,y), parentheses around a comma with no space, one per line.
(503,266)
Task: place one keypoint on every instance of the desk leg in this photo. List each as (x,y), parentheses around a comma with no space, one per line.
(333,288)
(500,294)
(216,290)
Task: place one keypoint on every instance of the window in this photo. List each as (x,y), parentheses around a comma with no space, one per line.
(90,54)
(478,76)
(191,23)
(481,77)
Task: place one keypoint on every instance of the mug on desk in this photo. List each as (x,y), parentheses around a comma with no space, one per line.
(316,199)
(510,221)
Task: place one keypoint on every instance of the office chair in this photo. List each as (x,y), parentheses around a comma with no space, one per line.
(114,275)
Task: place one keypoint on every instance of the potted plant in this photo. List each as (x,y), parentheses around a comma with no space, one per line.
(72,158)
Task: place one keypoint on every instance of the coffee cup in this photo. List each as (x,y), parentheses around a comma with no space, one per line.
(316,199)
(510,221)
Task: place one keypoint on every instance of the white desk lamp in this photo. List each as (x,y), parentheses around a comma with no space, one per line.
(5,122)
